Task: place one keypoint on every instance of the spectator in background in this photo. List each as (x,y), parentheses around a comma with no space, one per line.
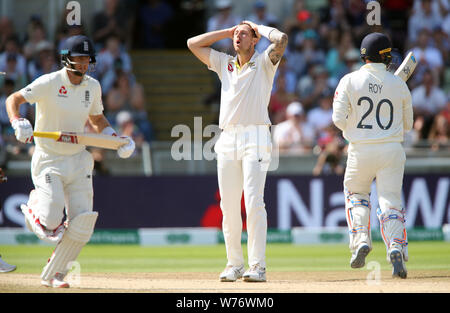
(222,19)
(294,135)
(118,98)
(7,31)
(311,86)
(36,34)
(279,101)
(127,127)
(260,16)
(139,112)
(109,21)
(43,61)
(13,73)
(339,44)
(356,16)
(109,61)
(12,47)
(320,118)
(330,158)
(422,18)
(439,133)
(352,59)
(426,55)
(446,25)
(438,7)
(335,15)
(305,53)
(289,77)
(427,100)
(441,42)
(153,17)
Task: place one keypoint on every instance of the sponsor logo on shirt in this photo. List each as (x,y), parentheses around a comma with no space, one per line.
(86,101)
(230,68)
(62,92)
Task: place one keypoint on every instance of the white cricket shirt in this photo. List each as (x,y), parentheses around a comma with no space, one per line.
(246,90)
(371,105)
(62,106)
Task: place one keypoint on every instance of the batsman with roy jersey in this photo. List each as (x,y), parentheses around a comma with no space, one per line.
(373,109)
(62,172)
(244,146)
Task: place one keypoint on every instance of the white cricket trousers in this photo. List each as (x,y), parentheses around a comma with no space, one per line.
(61,182)
(243,158)
(384,162)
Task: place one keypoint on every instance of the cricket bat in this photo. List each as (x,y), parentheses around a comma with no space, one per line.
(87,139)
(405,70)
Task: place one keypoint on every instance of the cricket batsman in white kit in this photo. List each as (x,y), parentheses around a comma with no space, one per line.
(62,172)
(373,109)
(244,146)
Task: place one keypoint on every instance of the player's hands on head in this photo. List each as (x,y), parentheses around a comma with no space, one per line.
(126,150)
(254,27)
(23,130)
(231,31)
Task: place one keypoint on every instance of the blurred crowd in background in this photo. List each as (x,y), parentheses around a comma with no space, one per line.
(323,47)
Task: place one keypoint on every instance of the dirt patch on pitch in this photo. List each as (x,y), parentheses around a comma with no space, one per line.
(277,282)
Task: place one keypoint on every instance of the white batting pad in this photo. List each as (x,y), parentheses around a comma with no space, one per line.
(77,234)
(393,231)
(357,211)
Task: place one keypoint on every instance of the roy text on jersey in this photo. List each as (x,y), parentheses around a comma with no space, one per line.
(375,88)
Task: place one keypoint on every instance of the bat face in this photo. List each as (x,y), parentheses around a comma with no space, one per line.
(407,67)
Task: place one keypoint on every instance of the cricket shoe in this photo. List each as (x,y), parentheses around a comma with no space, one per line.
(398,264)
(358,259)
(232,273)
(5,267)
(255,273)
(56,282)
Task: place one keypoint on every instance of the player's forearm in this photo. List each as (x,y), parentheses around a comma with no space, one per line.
(99,123)
(13,103)
(207,39)
(278,39)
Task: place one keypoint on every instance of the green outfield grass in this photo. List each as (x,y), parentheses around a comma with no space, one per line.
(429,255)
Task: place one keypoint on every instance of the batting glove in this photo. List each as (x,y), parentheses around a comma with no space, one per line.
(23,130)
(126,150)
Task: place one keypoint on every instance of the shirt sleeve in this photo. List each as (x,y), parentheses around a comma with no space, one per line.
(341,104)
(97,104)
(216,60)
(37,90)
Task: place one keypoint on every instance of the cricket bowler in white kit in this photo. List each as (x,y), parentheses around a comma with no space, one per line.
(373,109)
(62,172)
(244,146)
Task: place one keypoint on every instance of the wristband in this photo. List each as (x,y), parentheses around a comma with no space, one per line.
(109,131)
(265,30)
